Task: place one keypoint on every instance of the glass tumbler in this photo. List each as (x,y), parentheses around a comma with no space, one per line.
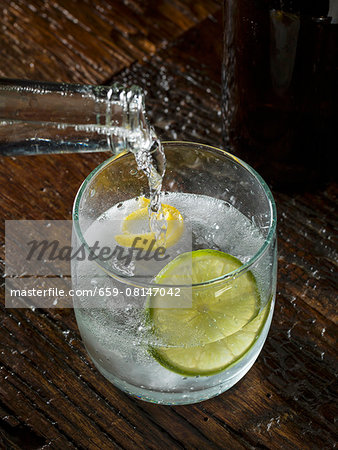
(227,209)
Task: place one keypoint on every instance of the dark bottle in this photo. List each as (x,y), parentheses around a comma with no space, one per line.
(280,76)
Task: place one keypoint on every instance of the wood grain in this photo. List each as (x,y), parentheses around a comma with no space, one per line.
(51,395)
(88,41)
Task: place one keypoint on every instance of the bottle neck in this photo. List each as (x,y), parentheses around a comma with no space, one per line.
(38,118)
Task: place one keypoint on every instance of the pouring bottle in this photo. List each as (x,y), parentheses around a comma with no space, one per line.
(42,118)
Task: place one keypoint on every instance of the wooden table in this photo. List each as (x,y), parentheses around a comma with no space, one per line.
(51,395)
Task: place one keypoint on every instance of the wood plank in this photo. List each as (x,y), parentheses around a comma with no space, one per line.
(82,41)
(67,388)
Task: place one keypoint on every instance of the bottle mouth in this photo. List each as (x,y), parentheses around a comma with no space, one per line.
(268,240)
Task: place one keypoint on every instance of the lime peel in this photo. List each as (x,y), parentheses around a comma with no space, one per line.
(222,323)
(213,358)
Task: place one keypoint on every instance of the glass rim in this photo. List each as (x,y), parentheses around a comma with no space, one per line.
(228,276)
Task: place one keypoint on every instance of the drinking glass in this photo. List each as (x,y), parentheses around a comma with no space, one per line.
(204,183)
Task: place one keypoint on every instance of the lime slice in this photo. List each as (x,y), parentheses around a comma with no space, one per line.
(136,231)
(222,322)
(214,312)
(213,358)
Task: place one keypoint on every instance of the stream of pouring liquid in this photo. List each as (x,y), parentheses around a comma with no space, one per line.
(151,160)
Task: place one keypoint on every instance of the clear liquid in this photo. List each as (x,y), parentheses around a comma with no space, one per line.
(150,158)
(152,162)
(116,333)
